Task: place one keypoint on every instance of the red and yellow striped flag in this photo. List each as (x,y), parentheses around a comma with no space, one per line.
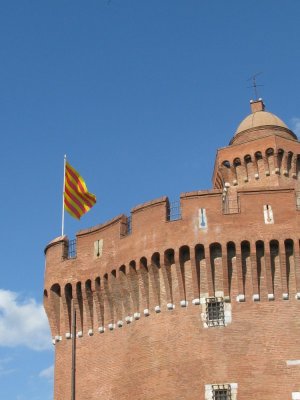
(77,199)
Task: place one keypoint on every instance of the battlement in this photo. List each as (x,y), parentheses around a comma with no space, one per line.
(154,215)
(117,278)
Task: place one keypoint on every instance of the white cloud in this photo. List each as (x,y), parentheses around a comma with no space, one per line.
(47,373)
(22,322)
(295,124)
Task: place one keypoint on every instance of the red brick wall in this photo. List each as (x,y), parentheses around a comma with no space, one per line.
(171,355)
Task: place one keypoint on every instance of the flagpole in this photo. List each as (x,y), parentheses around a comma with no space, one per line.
(63,198)
(73,375)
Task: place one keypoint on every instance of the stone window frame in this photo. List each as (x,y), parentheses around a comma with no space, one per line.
(232,388)
(227,309)
(215,308)
(221,392)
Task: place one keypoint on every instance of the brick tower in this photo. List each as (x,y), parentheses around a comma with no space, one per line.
(199,301)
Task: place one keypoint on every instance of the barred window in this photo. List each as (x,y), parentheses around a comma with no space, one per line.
(174,211)
(215,312)
(221,392)
(72,248)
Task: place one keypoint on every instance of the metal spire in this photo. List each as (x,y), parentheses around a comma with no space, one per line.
(254,84)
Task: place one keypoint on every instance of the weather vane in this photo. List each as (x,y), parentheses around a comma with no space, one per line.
(254,84)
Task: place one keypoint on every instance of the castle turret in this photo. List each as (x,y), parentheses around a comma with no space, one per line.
(262,152)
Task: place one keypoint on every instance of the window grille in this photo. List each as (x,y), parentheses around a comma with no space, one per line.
(221,392)
(174,211)
(231,206)
(215,311)
(126,227)
(298,201)
(72,249)
(129,225)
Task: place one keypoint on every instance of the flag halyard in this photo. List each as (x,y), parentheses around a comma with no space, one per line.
(77,199)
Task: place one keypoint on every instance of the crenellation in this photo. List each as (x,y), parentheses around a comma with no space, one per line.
(114,221)
(161,201)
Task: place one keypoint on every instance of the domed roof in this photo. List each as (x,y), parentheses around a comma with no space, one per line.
(260,123)
(260,118)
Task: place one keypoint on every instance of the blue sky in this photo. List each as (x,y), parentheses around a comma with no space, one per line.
(139,94)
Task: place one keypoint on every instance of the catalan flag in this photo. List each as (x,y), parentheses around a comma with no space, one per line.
(77,199)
